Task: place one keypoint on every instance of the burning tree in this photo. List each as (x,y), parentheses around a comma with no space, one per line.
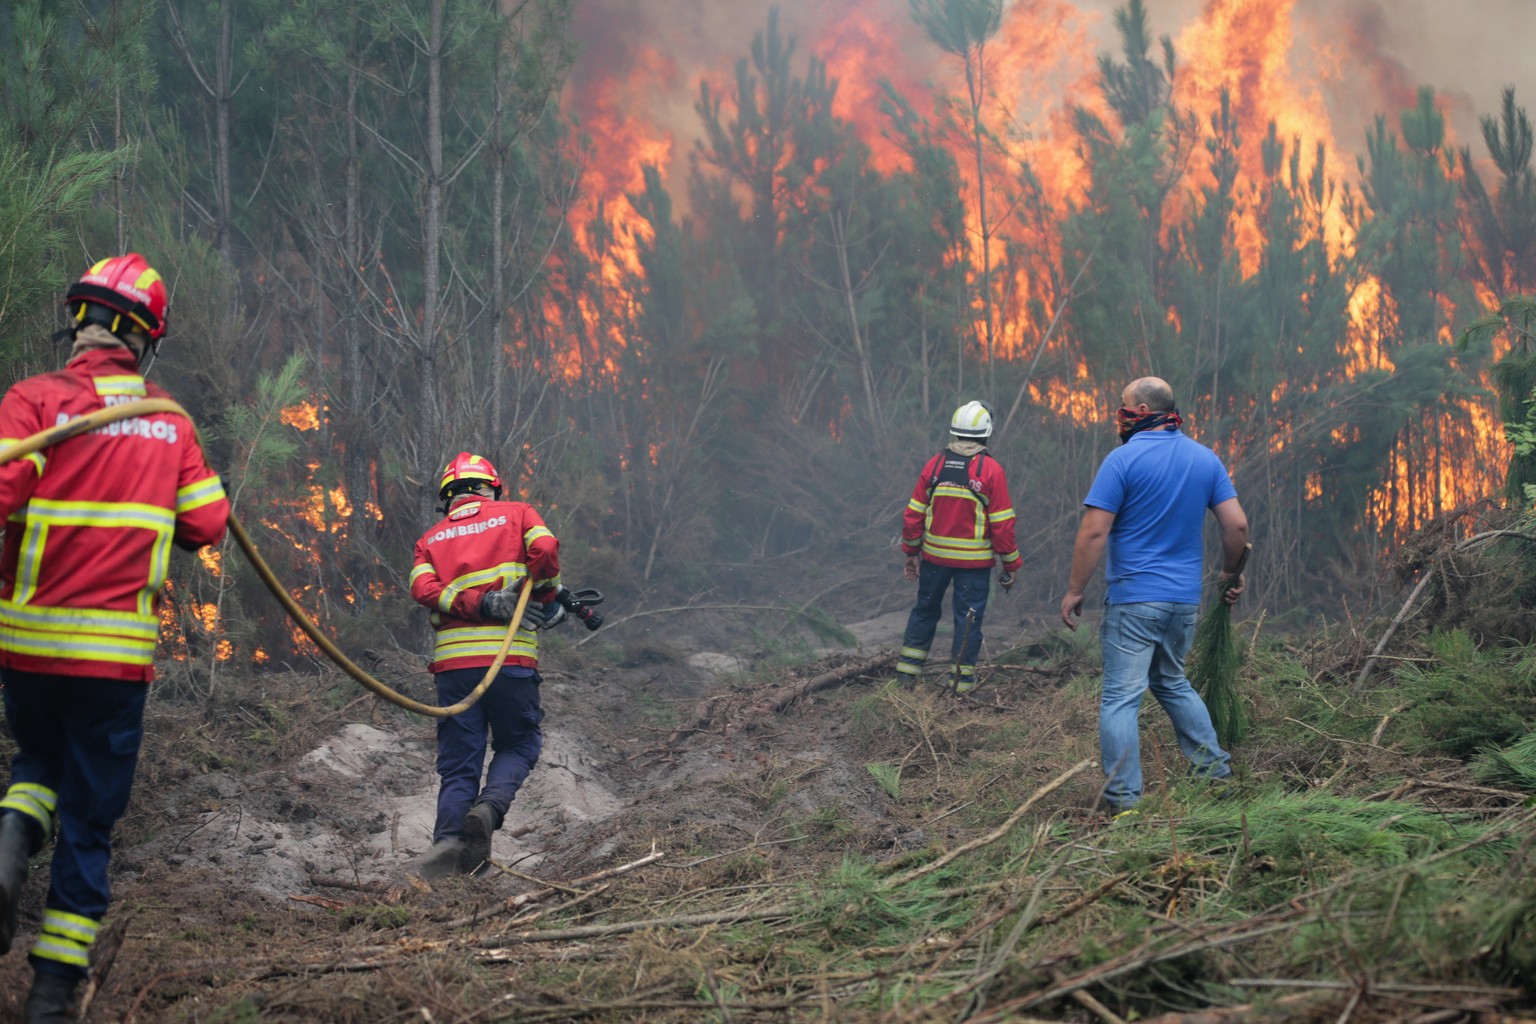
(713,333)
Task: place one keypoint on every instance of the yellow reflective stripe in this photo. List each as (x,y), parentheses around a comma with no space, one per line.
(101,513)
(955,491)
(33,539)
(1000,517)
(553,581)
(420,570)
(35,801)
(917,506)
(509,571)
(196,495)
(99,648)
(121,384)
(534,533)
(159,568)
(61,951)
(36,458)
(38,794)
(41,513)
(74,926)
(965,545)
(66,939)
(915,653)
(47,619)
(483,641)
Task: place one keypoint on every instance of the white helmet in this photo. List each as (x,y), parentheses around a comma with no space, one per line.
(973,420)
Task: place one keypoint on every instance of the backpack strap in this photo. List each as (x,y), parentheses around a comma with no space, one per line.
(941,463)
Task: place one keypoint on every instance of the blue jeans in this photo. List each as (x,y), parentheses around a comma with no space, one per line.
(510,712)
(1144,647)
(971,587)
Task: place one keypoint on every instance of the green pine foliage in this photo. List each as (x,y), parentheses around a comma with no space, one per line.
(1464,698)
(1214,662)
(1511,767)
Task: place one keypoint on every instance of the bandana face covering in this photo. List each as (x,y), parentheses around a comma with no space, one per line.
(1130,422)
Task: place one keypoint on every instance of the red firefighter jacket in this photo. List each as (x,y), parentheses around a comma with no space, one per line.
(960,513)
(90,521)
(479,547)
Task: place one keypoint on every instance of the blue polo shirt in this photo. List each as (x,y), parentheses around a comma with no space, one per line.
(1159,485)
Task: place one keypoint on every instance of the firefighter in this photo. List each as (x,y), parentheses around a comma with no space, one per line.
(89,527)
(957,522)
(469,569)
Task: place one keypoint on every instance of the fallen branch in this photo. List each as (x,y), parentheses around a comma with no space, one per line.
(1091,1004)
(324,902)
(1398,987)
(353,885)
(1228,1014)
(1402,614)
(1451,1014)
(103,956)
(1085,900)
(1429,574)
(837,675)
(595,931)
(997,833)
(567,905)
(523,899)
(1459,787)
(1144,957)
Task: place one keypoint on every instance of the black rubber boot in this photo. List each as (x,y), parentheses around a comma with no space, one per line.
(15,848)
(440,861)
(51,1000)
(479,824)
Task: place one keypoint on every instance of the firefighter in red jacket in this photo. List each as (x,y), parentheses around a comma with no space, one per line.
(469,569)
(958,520)
(89,527)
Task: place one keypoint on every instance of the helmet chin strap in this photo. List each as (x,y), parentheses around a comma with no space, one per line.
(151,351)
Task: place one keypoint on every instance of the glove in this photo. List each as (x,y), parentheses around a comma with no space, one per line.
(550,615)
(1006,581)
(498,605)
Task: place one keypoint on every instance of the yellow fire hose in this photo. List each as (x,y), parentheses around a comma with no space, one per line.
(112,413)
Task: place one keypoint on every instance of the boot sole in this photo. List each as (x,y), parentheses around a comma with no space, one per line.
(477,838)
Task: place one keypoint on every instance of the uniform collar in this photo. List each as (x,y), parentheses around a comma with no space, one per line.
(96,361)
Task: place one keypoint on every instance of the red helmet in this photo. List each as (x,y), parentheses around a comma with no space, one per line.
(128,286)
(468,469)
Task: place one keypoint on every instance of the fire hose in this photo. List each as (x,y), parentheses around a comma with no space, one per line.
(112,413)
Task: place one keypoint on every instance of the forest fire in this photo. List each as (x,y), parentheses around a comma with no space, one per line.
(1252,85)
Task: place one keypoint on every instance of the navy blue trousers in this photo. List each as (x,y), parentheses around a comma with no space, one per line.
(971,588)
(80,738)
(511,714)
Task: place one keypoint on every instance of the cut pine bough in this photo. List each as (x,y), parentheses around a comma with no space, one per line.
(1214,661)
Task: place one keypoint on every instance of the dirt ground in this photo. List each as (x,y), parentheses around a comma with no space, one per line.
(261,887)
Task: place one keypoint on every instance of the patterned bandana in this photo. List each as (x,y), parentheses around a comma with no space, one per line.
(1130,422)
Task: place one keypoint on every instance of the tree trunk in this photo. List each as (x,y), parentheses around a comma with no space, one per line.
(866,375)
(430,447)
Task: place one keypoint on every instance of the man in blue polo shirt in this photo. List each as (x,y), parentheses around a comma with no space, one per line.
(1147,505)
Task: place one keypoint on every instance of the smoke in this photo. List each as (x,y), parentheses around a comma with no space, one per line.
(641,62)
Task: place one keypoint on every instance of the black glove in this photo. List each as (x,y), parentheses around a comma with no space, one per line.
(1006,581)
(498,605)
(550,615)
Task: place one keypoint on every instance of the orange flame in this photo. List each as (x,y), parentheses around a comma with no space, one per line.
(304,416)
